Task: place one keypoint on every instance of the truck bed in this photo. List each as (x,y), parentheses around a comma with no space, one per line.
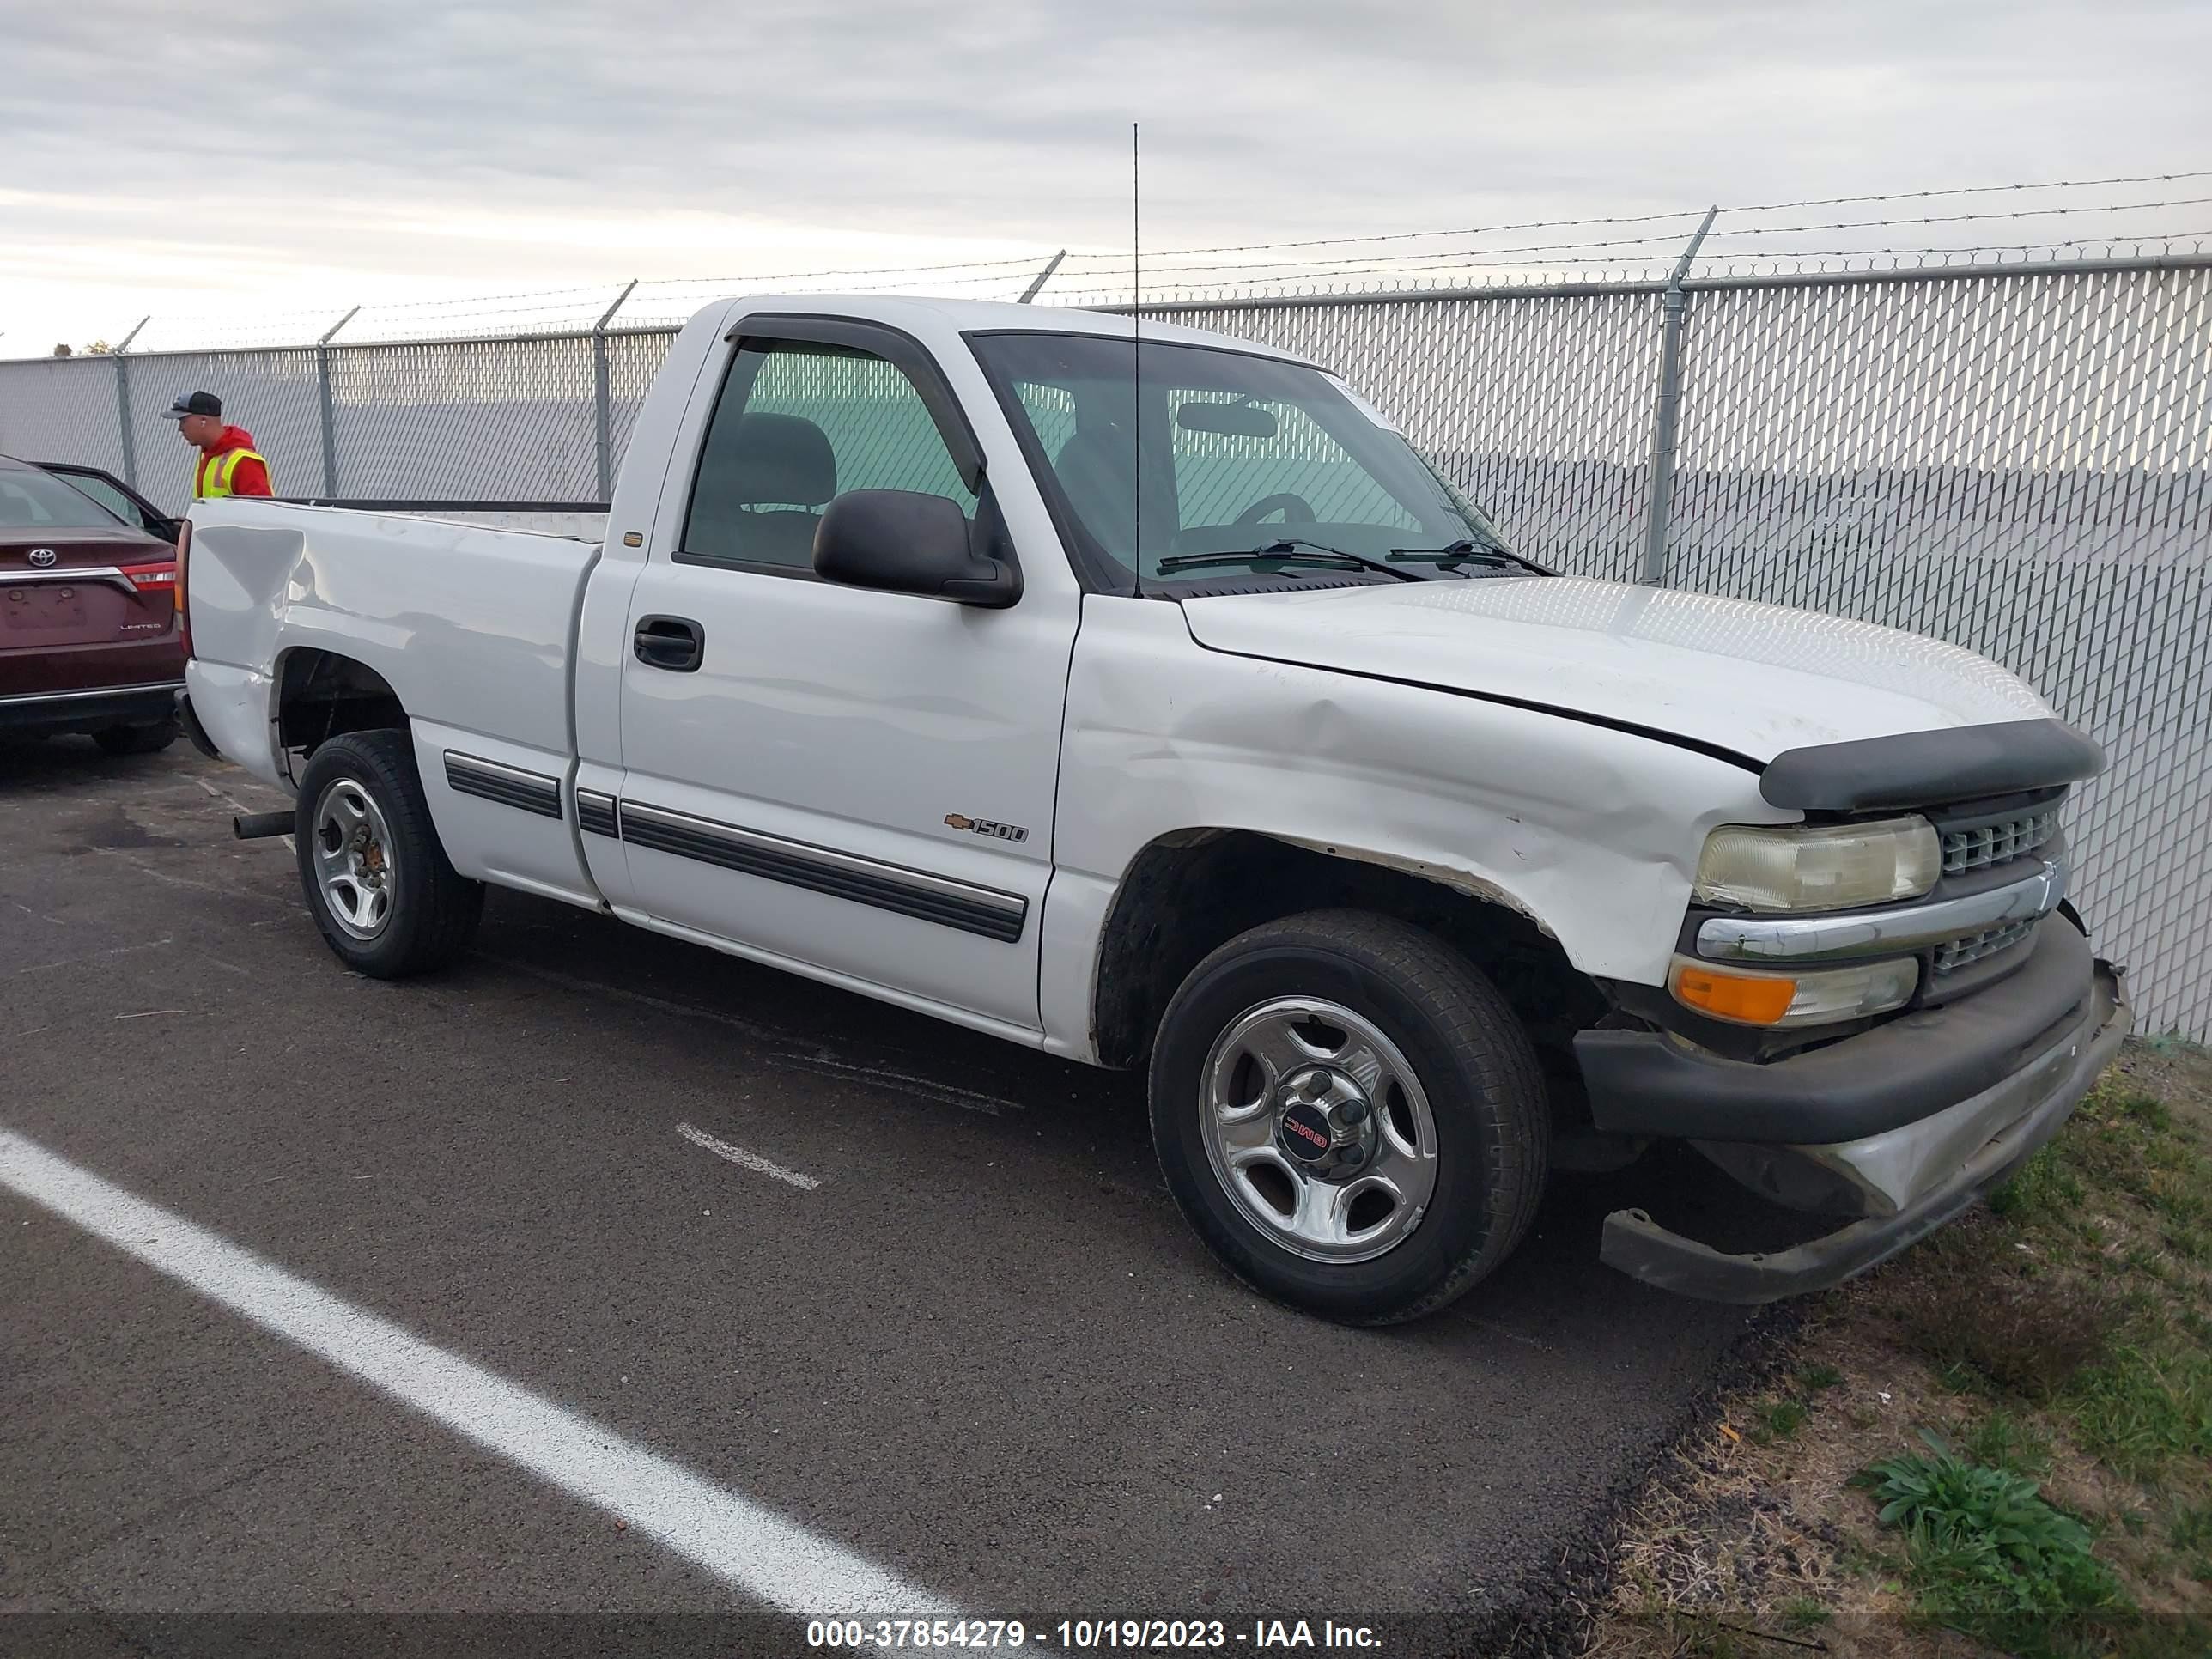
(473,627)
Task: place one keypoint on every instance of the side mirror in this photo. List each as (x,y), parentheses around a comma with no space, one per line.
(904,542)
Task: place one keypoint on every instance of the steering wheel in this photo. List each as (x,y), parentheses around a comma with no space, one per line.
(1295,509)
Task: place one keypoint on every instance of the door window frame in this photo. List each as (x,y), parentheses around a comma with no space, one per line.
(903,352)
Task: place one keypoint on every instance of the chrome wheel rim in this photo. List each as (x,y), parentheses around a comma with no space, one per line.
(354,861)
(1318,1129)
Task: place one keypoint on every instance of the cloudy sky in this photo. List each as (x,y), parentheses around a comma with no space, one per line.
(248,168)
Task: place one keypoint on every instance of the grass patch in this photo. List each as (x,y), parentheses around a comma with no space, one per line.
(2042,1186)
(1803,1613)
(1780,1420)
(2005,1441)
(2192,1526)
(2146,1408)
(1986,1554)
(2061,1343)
(2018,1335)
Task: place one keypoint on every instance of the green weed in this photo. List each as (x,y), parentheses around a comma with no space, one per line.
(1987,1554)
(2003,1441)
(1782,1419)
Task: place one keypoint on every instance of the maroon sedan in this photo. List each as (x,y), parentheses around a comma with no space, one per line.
(89,635)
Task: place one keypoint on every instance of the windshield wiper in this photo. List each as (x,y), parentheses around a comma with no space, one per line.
(1464,552)
(1286,547)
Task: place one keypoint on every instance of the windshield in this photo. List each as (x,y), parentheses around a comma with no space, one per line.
(32,500)
(1240,453)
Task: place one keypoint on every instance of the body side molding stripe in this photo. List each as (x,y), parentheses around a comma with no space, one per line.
(508,786)
(959,904)
(595,813)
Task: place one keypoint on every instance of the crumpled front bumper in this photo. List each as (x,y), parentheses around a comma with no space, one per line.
(1909,1179)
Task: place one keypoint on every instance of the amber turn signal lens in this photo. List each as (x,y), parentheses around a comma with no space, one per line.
(1748,1000)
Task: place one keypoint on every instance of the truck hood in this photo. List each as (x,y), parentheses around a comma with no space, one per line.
(1751,679)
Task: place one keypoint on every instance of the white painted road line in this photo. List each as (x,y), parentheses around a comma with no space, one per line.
(741,1542)
(752,1161)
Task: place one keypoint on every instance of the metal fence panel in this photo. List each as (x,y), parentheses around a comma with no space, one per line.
(272,394)
(632,359)
(2023,467)
(490,420)
(2020,463)
(62,409)
(1537,406)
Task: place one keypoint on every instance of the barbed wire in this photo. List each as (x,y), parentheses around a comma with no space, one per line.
(1972,190)
(488,299)
(652,301)
(2165,237)
(1653,218)
(1483,255)
(1028,262)
(1407,235)
(1311,271)
(1599,271)
(1966,218)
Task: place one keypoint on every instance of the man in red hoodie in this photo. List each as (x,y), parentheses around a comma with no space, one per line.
(228,464)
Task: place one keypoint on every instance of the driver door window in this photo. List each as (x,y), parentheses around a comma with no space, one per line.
(796,425)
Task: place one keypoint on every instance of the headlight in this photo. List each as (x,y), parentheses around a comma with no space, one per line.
(1826,868)
(1810,997)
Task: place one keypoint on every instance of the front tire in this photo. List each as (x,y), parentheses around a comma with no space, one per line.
(1350,1115)
(377,880)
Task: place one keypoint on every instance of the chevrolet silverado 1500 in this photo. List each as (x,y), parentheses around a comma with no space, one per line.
(1154,703)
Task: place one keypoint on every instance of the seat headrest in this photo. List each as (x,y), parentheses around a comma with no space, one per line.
(1095,471)
(782,461)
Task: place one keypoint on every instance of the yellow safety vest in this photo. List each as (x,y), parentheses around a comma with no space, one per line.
(215,474)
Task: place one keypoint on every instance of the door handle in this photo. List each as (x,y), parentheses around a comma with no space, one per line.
(676,643)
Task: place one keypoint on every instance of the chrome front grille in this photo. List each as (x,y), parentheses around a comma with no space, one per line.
(1977,847)
(1975,946)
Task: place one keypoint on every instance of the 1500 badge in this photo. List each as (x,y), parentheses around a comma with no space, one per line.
(986,827)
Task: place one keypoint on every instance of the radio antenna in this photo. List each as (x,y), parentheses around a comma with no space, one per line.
(1136,365)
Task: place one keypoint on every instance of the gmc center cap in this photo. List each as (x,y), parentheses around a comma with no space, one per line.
(1306,1132)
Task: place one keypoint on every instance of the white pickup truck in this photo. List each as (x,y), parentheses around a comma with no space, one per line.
(1154,703)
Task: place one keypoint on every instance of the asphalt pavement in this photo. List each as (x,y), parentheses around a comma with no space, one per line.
(605,1277)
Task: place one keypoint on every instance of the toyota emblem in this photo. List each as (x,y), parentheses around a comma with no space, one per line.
(43,556)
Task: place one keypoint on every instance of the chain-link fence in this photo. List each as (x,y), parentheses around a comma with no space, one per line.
(2016,460)
(2018,464)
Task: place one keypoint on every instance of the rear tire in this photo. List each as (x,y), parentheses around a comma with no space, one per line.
(1359,1034)
(137,740)
(377,879)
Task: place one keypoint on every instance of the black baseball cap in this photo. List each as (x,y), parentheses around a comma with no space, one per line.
(199,403)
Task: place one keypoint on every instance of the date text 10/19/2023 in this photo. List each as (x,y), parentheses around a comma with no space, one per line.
(1080,1635)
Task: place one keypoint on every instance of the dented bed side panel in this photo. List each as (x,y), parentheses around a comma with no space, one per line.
(472,627)
(1592,832)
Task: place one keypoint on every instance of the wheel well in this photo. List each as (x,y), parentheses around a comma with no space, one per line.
(321,695)
(1189,892)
